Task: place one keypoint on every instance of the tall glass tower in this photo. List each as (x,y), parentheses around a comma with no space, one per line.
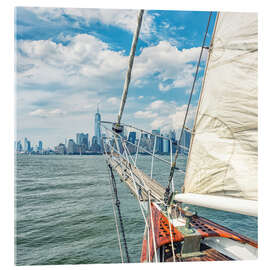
(97,126)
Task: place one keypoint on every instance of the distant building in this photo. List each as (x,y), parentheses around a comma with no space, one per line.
(144,136)
(160,144)
(94,140)
(166,145)
(61,149)
(145,143)
(187,138)
(95,147)
(19,147)
(132,137)
(71,149)
(172,136)
(82,142)
(40,146)
(97,127)
(27,146)
(185,141)
(103,140)
(159,141)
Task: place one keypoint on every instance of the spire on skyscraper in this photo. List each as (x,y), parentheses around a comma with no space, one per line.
(97,126)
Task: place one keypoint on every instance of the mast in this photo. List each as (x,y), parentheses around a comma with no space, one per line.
(130,65)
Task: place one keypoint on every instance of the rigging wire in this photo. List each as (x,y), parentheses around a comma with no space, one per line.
(167,192)
(117,203)
(152,162)
(152,224)
(143,149)
(171,237)
(141,185)
(116,223)
(149,133)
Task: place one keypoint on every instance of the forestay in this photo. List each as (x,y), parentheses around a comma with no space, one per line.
(223,155)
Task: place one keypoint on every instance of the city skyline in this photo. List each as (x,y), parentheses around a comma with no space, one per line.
(85,144)
(79,136)
(68,60)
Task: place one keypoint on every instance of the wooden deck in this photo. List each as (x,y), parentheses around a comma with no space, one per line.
(202,229)
(127,172)
(208,254)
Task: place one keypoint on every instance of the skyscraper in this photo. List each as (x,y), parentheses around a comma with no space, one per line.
(82,139)
(97,127)
(27,145)
(172,136)
(132,137)
(185,141)
(159,141)
(71,147)
(166,145)
(19,147)
(187,138)
(95,147)
(40,146)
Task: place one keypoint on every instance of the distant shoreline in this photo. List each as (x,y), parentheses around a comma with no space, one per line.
(54,154)
(83,154)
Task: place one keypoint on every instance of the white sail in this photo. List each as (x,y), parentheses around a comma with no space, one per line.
(223,154)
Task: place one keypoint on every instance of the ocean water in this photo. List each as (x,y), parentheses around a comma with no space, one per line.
(64,211)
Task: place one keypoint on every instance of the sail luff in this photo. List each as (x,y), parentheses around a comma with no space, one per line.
(223,155)
(199,102)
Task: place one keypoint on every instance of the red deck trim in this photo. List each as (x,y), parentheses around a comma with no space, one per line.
(204,226)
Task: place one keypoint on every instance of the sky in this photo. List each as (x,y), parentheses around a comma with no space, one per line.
(71,60)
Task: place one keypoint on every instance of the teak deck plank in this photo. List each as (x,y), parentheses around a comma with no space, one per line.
(122,167)
(208,254)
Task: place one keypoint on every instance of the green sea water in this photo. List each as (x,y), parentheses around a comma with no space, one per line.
(64,211)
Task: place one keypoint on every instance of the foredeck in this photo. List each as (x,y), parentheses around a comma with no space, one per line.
(207,254)
(207,241)
(135,179)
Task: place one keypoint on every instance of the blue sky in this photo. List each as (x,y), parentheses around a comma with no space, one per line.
(68,60)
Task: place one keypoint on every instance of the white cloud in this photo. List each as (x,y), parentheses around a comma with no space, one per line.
(145,114)
(175,28)
(47,113)
(162,107)
(165,25)
(84,61)
(177,118)
(125,19)
(170,64)
(158,104)
(159,123)
(164,88)
(113,101)
(166,115)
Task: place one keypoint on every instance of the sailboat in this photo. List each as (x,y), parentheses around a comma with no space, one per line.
(221,170)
